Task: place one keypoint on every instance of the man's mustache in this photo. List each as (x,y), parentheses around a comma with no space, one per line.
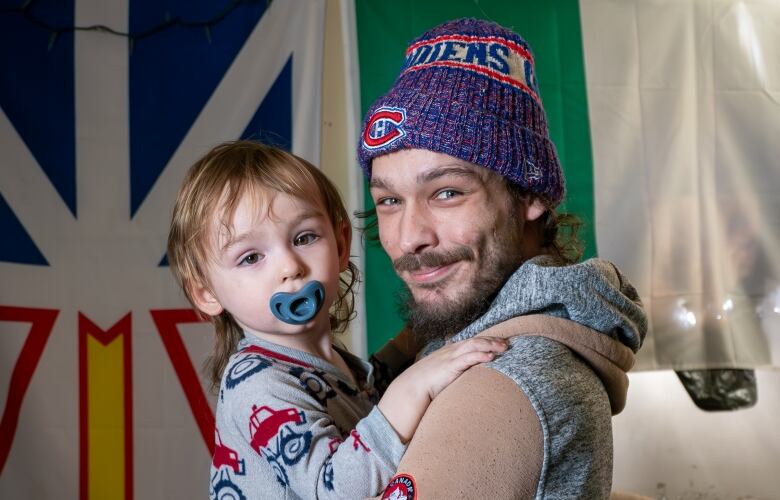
(413,262)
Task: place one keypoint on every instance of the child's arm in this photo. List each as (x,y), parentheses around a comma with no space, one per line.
(280,413)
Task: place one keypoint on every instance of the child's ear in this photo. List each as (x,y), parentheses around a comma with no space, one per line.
(205,300)
(344,243)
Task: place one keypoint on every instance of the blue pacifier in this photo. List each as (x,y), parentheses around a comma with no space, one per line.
(298,307)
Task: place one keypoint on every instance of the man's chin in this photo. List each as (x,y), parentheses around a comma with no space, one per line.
(432,316)
(435,297)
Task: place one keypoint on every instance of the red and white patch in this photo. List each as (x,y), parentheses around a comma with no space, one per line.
(401,487)
(384,127)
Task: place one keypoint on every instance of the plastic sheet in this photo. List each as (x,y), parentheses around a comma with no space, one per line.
(684,102)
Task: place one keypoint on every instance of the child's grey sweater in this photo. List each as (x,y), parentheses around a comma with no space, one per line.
(290,426)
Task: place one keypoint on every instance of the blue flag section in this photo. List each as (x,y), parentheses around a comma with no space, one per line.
(173,74)
(272,123)
(18,246)
(36,93)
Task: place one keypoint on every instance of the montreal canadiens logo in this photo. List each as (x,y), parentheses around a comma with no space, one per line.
(401,487)
(384,127)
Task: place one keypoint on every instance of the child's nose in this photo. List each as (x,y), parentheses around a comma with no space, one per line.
(291,267)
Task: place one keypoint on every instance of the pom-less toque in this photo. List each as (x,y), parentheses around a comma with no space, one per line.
(468,89)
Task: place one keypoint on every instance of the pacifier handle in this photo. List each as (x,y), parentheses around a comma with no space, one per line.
(298,308)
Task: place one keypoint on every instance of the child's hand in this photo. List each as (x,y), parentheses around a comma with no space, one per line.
(407,398)
(438,370)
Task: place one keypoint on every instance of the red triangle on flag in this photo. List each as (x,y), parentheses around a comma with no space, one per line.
(167,321)
(42,321)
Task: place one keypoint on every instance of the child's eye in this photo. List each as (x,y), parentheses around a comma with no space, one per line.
(252,258)
(305,239)
(446,194)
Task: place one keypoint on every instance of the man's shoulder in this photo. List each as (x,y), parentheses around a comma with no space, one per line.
(559,385)
(546,369)
(573,409)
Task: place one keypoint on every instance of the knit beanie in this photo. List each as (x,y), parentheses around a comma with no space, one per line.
(468,88)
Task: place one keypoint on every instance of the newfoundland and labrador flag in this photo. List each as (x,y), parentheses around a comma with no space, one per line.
(665,115)
(99,351)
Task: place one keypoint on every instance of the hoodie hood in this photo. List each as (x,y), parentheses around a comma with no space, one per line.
(590,307)
(593,293)
(607,357)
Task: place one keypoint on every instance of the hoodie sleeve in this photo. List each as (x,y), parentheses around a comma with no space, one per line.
(504,454)
(608,358)
(544,430)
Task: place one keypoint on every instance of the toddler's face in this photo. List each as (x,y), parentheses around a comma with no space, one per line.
(272,248)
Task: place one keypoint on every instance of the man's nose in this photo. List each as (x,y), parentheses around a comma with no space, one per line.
(290,266)
(417,231)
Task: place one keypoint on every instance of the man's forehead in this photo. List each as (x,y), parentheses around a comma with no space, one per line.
(420,166)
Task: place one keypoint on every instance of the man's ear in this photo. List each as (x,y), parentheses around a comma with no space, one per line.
(205,300)
(534,210)
(344,244)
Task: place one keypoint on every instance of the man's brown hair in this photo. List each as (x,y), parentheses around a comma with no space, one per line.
(213,186)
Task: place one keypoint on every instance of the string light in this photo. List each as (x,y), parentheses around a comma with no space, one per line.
(25,10)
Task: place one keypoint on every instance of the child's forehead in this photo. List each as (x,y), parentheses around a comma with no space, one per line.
(262,203)
(254,206)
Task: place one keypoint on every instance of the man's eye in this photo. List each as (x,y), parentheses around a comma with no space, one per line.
(388,201)
(446,194)
(252,258)
(305,239)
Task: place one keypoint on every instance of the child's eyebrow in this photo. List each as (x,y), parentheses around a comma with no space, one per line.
(304,215)
(234,240)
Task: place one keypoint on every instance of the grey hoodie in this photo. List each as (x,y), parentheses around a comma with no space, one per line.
(571,366)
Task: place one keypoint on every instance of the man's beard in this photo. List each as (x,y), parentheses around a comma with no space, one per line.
(429,322)
(446,317)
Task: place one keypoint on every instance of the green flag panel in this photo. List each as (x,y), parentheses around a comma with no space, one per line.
(552,28)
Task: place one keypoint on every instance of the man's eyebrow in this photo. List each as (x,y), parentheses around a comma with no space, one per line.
(446,170)
(377,183)
(435,173)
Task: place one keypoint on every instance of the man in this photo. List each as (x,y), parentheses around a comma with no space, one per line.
(465,180)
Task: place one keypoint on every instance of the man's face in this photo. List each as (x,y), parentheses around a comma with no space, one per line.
(452,232)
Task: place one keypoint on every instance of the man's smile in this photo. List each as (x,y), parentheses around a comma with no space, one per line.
(432,275)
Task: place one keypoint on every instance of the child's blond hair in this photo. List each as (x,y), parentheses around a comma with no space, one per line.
(217,182)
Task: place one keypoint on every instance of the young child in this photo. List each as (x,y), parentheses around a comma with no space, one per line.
(259,242)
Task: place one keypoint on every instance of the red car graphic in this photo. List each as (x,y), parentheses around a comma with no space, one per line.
(265,423)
